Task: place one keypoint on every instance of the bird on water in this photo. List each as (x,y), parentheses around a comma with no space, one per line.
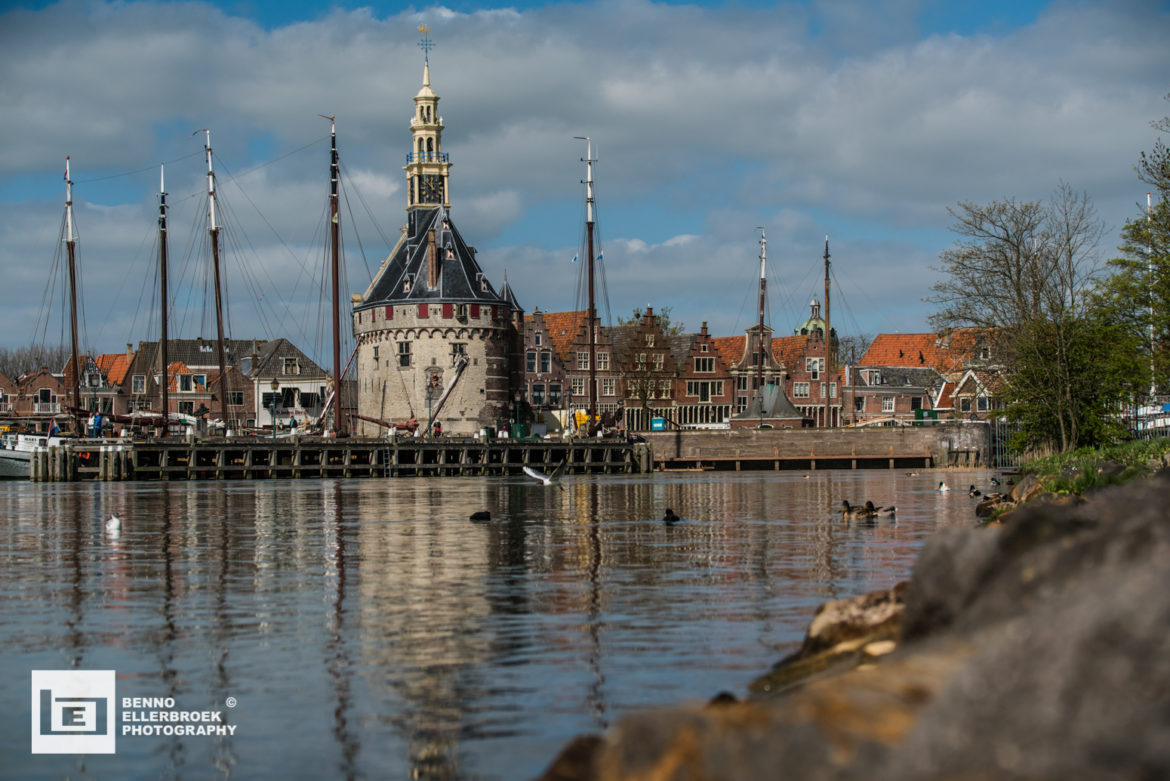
(943,486)
(481,515)
(670,519)
(550,479)
(850,512)
(880,512)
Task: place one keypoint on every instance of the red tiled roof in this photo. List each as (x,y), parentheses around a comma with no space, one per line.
(728,348)
(946,353)
(562,330)
(114,366)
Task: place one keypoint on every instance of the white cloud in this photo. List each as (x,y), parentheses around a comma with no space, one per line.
(837,118)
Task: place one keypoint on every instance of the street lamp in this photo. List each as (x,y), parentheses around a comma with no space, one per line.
(275,387)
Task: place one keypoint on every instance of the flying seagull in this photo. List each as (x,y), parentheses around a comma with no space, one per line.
(553,479)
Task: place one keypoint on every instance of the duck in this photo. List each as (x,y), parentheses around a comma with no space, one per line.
(911,474)
(481,515)
(973,491)
(879,512)
(670,519)
(943,486)
(114,524)
(851,513)
(995,481)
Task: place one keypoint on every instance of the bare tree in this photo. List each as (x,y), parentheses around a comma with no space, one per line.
(23,360)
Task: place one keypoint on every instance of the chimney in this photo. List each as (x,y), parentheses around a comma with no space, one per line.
(129,351)
(432,261)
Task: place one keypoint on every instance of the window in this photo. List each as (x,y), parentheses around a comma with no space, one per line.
(545,362)
(291,366)
(703,348)
(859,404)
(740,403)
(539,341)
(554,394)
(832,386)
(985,353)
(640,362)
(235,398)
(457,349)
(578,386)
(582,362)
(530,362)
(93,380)
(138,383)
(603,362)
(887,403)
(875,378)
(658,359)
(965,405)
(705,365)
(185,382)
(649,340)
(741,382)
(664,389)
(800,390)
(404,354)
(200,379)
(608,386)
(375,352)
(915,402)
(981,404)
(538,395)
(186,407)
(814,366)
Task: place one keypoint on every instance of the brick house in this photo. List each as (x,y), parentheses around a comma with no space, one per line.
(41,398)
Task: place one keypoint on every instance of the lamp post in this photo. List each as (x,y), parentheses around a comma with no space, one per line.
(275,387)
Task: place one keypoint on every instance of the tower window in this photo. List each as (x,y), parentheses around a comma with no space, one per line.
(404,354)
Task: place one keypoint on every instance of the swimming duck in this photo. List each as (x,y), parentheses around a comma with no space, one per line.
(973,491)
(943,486)
(995,481)
(481,515)
(670,519)
(851,513)
(879,512)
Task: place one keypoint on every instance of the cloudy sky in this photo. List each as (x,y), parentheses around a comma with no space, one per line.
(861,119)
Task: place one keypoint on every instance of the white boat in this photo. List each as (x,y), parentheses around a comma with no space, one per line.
(16,452)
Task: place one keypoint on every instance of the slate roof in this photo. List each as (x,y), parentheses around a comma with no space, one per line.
(460,279)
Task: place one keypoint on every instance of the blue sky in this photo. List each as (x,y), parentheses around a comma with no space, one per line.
(861,120)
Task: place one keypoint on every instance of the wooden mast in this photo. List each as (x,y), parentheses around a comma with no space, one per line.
(164,390)
(335,263)
(592,313)
(760,335)
(71,256)
(828,384)
(214,231)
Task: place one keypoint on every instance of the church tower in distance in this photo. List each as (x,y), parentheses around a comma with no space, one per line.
(436,340)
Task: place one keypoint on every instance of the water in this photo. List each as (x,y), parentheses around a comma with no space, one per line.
(366,628)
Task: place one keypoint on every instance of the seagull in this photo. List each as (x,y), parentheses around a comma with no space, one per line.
(670,519)
(481,515)
(943,487)
(553,479)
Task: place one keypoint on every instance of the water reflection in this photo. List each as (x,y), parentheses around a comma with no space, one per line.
(367,628)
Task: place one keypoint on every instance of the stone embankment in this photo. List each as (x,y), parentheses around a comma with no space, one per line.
(1036,647)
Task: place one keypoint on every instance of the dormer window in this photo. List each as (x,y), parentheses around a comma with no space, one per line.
(450,254)
(291,366)
(406,283)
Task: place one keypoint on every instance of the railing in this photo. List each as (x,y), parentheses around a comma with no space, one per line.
(46,407)
(5,407)
(428,157)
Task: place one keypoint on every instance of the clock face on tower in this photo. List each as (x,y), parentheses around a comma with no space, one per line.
(430,188)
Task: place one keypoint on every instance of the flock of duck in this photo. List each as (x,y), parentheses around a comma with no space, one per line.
(849,512)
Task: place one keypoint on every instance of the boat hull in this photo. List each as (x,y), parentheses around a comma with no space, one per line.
(15,464)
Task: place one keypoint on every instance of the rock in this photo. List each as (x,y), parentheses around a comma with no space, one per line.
(838,632)
(576,762)
(1108,468)
(1028,486)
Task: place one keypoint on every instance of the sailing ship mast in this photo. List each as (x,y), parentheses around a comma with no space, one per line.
(592,313)
(162,284)
(335,243)
(71,256)
(760,335)
(214,231)
(828,385)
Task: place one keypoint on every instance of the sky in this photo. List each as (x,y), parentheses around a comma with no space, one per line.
(862,120)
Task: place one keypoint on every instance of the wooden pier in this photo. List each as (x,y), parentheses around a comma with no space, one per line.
(315,457)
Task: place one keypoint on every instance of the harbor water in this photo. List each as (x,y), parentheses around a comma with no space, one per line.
(368,628)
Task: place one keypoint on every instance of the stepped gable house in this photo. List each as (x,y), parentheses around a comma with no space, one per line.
(435,338)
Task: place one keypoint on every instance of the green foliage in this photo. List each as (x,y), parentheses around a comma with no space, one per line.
(664,322)
(1078,470)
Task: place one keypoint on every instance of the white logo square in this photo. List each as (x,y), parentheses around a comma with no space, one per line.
(73,712)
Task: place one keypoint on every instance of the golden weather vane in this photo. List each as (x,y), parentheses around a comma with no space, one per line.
(425,44)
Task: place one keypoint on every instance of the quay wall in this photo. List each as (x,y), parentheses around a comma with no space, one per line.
(949,444)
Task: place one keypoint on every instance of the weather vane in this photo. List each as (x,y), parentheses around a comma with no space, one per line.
(425,44)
